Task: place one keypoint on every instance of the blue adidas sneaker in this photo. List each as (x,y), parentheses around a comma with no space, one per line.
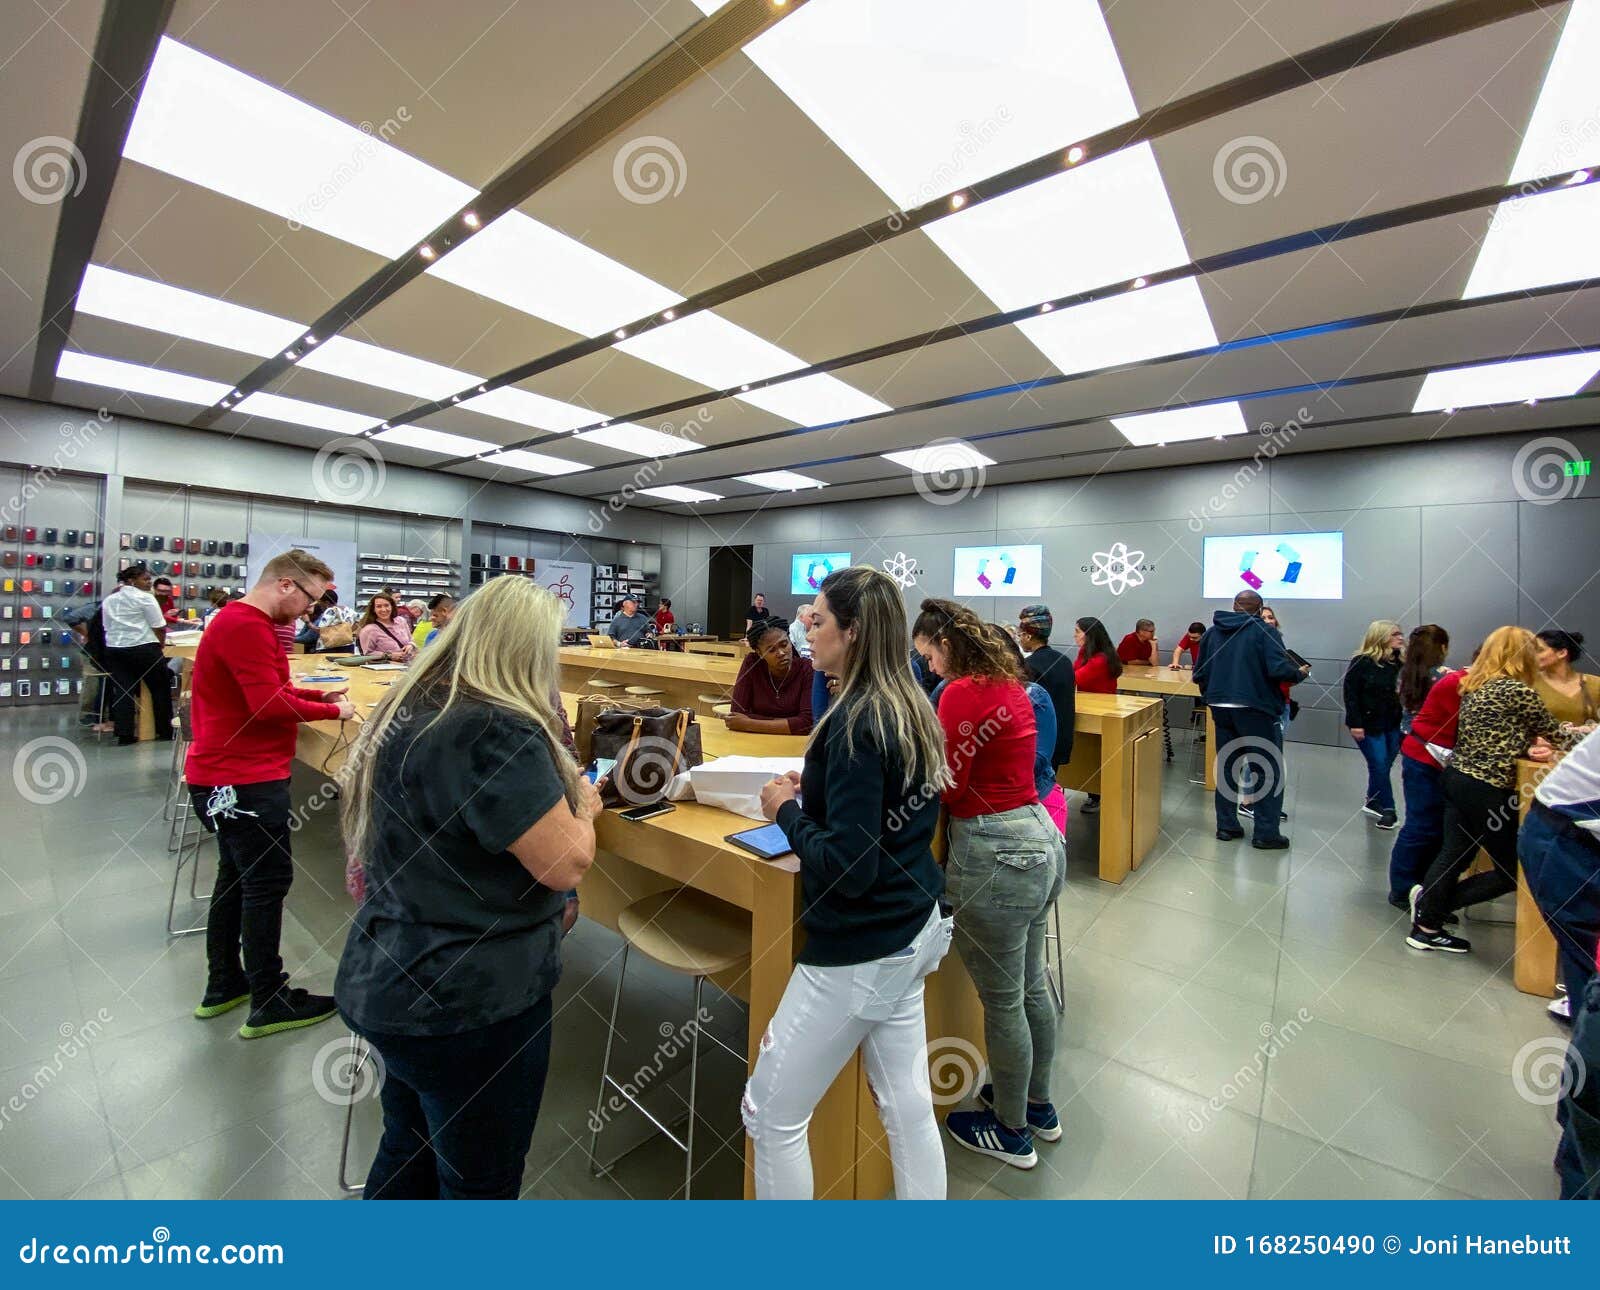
(980,1131)
(1041,1117)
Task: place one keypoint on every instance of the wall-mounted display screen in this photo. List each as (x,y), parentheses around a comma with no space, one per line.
(808,569)
(1281,566)
(999,571)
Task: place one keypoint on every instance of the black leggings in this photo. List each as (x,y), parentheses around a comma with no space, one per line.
(1476,815)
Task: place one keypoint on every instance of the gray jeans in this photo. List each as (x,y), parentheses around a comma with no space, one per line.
(1003,874)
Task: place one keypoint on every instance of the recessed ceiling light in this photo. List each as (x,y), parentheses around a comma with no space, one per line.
(1449,412)
(669,314)
(958,201)
(470,219)
(90,369)
(449,445)
(310,339)
(1578,177)
(425,251)
(781,481)
(1516,381)
(483,389)
(620,333)
(641,441)
(941,458)
(156,306)
(1178,425)
(1138,282)
(537,462)
(290,355)
(277,407)
(678,493)
(1046,307)
(1533,403)
(198,116)
(1075,154)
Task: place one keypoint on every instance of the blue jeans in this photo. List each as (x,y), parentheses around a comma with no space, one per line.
(1418,844)
(1249,755)
(459,1110)
(1379,749)
(1578,1112)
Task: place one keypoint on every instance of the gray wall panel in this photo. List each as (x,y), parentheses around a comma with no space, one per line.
(1469,571)
(1558,576)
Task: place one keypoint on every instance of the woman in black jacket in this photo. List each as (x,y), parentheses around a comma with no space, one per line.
(1372,713)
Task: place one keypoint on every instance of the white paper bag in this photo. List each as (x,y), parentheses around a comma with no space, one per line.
(735,783)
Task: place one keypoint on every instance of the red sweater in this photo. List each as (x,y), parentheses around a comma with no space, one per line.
(1133,650)
(1094,676)
(244,710)
(1435,722)
(989,741)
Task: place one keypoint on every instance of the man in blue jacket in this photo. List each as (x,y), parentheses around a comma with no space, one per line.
(1242,663)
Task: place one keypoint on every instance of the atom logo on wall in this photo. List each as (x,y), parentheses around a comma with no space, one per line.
(903,569)
(1117,569)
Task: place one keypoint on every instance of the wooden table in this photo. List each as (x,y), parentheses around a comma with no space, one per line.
(682,678)
(849,1153)
(1116,752)
(711,645)
(1144,678)
(1533,962)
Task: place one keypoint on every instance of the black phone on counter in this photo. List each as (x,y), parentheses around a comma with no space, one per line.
(636,813)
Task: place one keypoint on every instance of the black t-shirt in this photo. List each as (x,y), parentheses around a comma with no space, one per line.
(756,615)
(455,934)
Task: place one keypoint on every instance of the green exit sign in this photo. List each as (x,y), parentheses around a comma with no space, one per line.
(1577,467)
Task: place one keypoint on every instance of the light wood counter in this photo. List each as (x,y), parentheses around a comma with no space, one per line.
(1144,678)
(1116,752)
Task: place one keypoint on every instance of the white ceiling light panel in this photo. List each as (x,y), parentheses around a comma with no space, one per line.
(90,369)
(537,462)
(1175,425)
(439,441)
(638,440)
(278,407)
(678,493)
(210,124)
(942,458)
(156,306)
(1511,382)
(781,481)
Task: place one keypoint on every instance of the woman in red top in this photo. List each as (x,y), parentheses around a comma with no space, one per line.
(772,693)
(1431,731)
(1095,670)
(1004,870)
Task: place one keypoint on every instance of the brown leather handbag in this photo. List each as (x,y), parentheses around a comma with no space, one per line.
(650,746)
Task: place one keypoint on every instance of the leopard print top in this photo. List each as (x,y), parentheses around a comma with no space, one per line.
(1498,721)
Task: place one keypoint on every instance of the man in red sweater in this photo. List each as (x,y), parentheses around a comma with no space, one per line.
(245,715)
(1140,645)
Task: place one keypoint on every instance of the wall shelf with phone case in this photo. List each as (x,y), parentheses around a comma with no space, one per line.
(412,577)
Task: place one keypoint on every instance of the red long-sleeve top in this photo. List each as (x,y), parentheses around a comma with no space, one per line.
(989,741)
(244,711)
(1435,721)
(1094,675)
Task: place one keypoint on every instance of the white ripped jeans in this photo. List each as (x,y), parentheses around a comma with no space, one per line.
(826,1013)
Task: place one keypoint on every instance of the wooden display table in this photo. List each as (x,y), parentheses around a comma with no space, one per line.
(1144,678)
(682,678)
(1116,752)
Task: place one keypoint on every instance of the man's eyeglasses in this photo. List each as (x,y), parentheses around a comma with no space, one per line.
(310,599)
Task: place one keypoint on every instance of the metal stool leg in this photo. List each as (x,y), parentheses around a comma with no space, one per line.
(1056,980)
(1166,729)
(605,1065)
(359,1053)
(694,1076)
(189,842)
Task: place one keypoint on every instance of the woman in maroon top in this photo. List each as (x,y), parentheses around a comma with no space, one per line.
(1004,870)
(772,693)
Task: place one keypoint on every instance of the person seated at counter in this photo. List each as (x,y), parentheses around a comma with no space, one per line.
(1188,643)
(665,622)
(772,693)
(1570,695)
(628,626)
(757,612)
(440,608)
(1140,645)
(383,630)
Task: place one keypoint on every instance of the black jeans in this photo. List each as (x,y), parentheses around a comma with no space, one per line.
(130,667)
(1249,755)
(254,871)
(459,1110)
(1475,815)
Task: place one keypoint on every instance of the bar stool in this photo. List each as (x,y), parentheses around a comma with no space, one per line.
(723,710)
(642,691)
(708,703)
(595,684)
(359,1054)
(1056,979)
(1198,752)
(187,833)
(691,933)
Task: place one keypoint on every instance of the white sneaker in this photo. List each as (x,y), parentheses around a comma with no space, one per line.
(1561,1006)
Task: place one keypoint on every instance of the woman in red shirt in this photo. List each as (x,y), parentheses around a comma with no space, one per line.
(1004,871)
(1095,670)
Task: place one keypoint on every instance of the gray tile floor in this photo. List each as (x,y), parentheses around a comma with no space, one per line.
(1238,1023)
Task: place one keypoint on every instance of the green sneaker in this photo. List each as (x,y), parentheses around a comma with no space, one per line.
(217,1002)
(287,1010)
